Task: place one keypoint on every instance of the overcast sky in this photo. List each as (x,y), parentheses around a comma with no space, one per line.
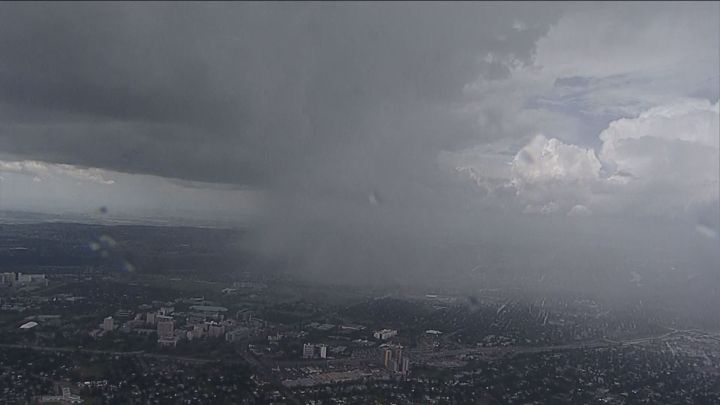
(423,138)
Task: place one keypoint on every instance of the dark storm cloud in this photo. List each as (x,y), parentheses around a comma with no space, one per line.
(337,114)
(239,93)
(318,105)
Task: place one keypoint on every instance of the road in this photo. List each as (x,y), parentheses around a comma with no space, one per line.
(513,350)
(415,354)
(108,352)
(504,351)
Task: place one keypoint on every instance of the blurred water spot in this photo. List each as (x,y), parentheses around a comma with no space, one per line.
(108,240)
(706,231)
(128,267)
(374,199)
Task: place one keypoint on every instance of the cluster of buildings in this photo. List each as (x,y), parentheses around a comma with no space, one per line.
(12,279)
(200,322)
(67,397)
(311,351)
(385,334)
(394,359)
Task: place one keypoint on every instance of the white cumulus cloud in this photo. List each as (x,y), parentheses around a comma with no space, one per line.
(552,160)
(665,161)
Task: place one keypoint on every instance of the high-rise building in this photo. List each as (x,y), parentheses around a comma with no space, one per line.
(394,359)
(199,330)
(404,366)
(151,318)
(308,351)
(215,330)
(323,351)
(387,356)
(165,327)
(7,279)
(108,324)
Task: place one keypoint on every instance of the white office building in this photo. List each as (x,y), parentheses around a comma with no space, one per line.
(385,334)
(308,351)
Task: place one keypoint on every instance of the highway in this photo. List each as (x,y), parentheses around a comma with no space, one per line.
(108,352)
(497,352)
